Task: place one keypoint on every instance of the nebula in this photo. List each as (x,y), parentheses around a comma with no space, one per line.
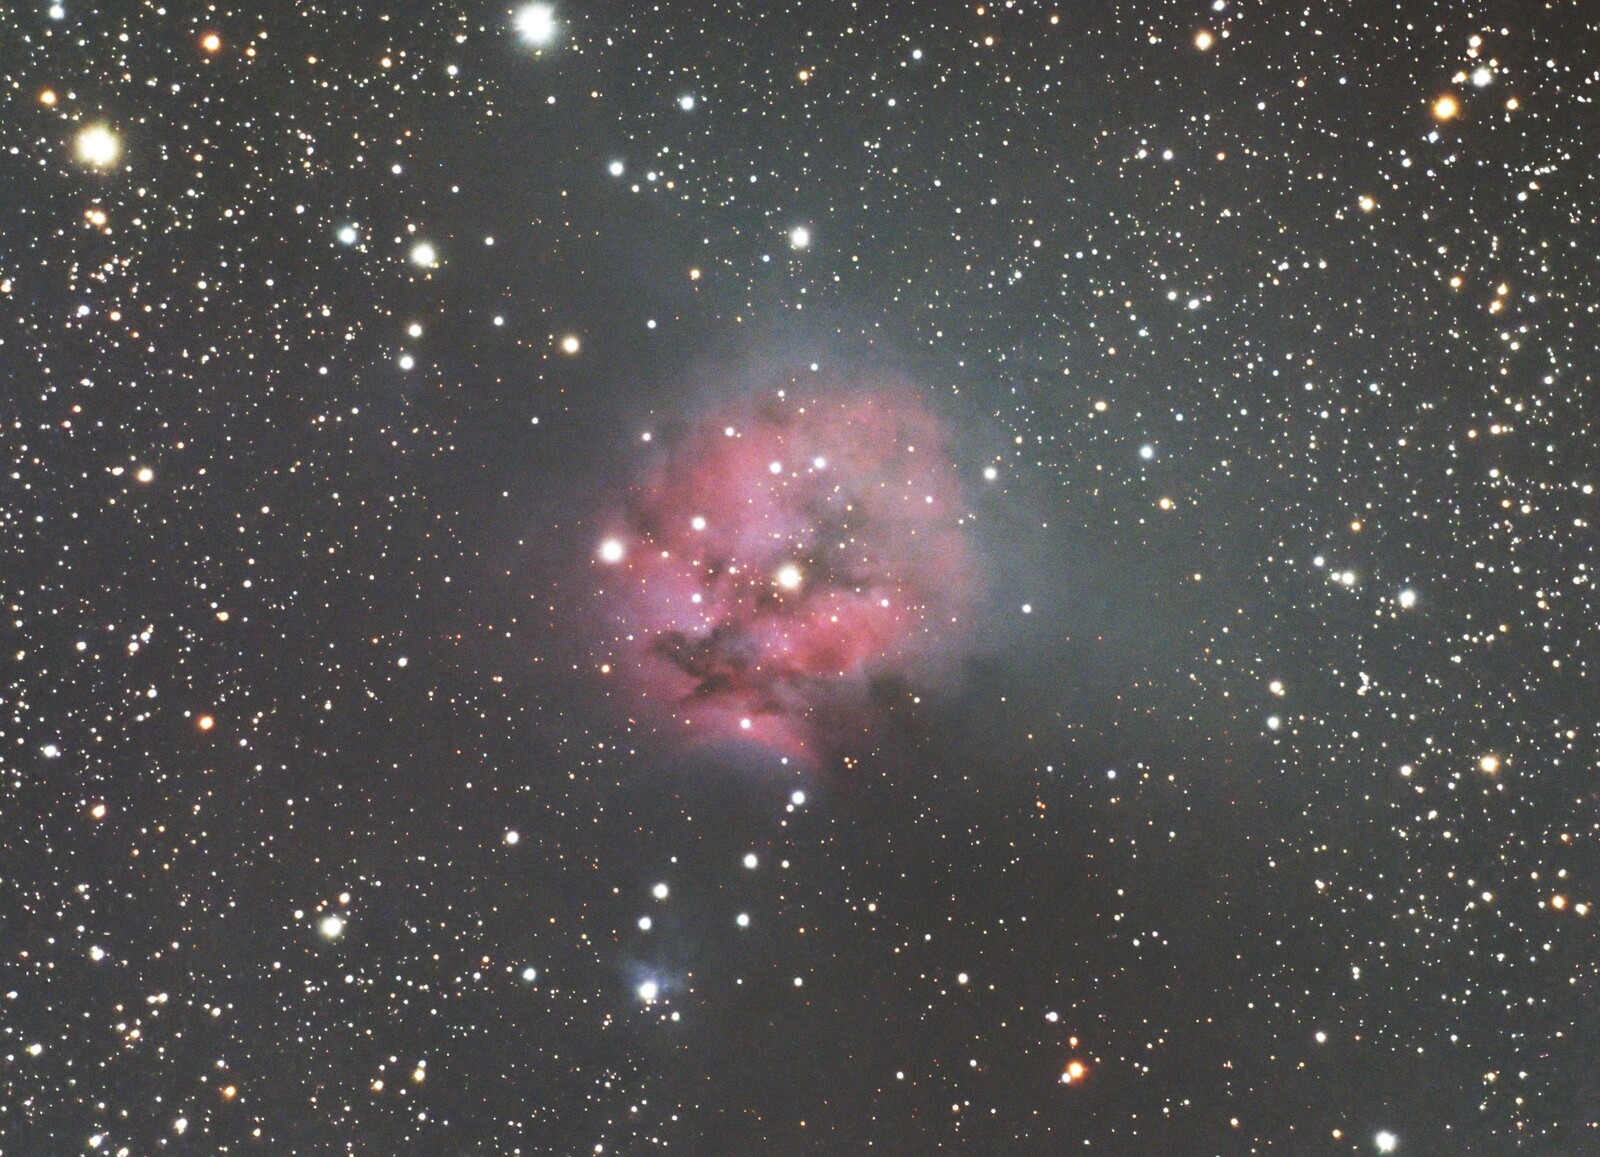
(791,571)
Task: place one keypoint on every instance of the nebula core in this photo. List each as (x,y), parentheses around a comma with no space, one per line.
(791,571)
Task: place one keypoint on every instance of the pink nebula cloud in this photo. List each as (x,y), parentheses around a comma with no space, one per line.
(791,568)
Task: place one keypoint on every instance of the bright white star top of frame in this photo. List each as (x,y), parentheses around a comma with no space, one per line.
(537,24)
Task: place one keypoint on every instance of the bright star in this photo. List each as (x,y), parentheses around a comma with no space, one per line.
(98,147)
(536,24)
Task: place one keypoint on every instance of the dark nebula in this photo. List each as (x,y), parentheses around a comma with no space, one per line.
(793,569)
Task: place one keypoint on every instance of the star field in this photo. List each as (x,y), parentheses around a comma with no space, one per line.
(799,578)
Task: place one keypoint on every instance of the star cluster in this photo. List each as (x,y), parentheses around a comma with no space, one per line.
(791,563)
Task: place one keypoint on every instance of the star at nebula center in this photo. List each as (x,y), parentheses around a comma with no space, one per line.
(789,567)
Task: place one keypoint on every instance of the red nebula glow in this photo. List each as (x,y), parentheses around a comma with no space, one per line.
(791,566)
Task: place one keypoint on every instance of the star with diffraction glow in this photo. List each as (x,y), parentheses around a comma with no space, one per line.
(98,147)
(536,24)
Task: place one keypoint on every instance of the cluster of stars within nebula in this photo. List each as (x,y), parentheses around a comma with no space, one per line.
(790,567)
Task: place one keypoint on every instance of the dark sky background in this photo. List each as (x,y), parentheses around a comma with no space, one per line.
(1250,806)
